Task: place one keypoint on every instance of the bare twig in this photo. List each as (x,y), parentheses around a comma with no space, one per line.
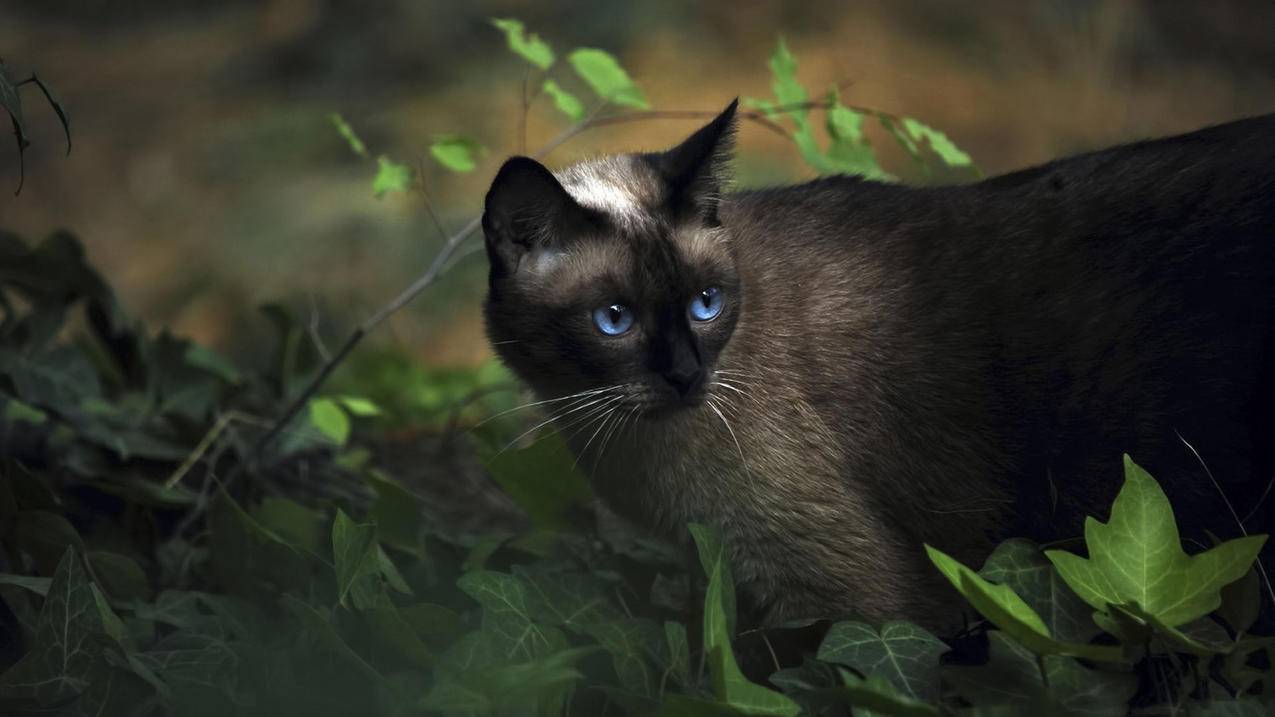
(429,203)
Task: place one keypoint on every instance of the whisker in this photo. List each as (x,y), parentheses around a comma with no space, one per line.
(606,438)
(606,418)
(590,392)
(723,384)
(730,430)
(590,401)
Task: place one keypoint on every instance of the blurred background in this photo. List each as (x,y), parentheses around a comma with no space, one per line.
(207,178)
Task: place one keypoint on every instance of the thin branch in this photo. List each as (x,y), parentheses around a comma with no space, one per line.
(429,203)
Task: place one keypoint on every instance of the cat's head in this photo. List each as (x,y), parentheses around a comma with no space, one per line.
(615,275)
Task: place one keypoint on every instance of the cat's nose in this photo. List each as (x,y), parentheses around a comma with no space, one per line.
(685,379)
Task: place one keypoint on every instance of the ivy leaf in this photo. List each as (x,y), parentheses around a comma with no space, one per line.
(354,552)
(542,479)
(679,652)
(37,585)
(1006,610)
(903,654)
(390,177)
(566,102)
(729,683)
(565,598)
(875,695)
(330,420)
(1020,565)
(527,46)
(634,645)
(1137,557)
(456,152)
(506,616)
(939,143)
(602,72)
(72,635)
(318,627)
(1012,679)
(59,379)
(1242,602)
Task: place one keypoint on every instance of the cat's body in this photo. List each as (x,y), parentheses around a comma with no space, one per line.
(946,365)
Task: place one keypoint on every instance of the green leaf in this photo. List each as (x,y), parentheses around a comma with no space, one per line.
(355,559)
(58,379)
(634,645)
(542,479)
(904,655)
(1012,679)
(359,406)
(784,84)
(456,152)
(729,683)
(208,360)
(121,576)
(527,46)
(1137,557)
(19,412)
(566,102)
(319,629)
(1006,610)
(679,652)
(390,177)
(388,627)
(877,695)
(507,617)
(37,585)
(246,556)
(567,599)
(946,150)
(398,516)
(46,536)
(1242,601)
(849,150)
(72,635)
(600,70)
(1020,565)
(347,133)
(330,420)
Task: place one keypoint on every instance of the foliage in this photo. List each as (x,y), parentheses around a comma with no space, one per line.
(133,587)
(157,558)
(848,149)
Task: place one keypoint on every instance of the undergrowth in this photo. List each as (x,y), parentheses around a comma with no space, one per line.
(164,553)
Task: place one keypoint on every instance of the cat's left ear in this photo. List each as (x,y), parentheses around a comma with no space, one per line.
(697,170)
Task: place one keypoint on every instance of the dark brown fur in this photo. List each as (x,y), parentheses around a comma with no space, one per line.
(898,366)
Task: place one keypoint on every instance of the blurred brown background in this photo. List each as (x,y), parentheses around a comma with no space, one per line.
(206,177)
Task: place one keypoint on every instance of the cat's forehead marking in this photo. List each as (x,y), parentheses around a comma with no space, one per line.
(617,186)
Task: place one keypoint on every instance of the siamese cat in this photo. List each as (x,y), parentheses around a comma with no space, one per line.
(839,372)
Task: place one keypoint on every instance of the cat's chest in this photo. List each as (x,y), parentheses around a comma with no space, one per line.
(732,464)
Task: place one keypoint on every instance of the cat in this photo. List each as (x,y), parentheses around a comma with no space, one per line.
(839,372)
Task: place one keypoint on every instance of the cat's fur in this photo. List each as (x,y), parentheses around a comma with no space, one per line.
(897,366)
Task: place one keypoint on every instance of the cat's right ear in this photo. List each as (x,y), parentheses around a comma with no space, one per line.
(527,210)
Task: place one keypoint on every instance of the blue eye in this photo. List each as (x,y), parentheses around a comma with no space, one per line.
(707,304)
(613,320)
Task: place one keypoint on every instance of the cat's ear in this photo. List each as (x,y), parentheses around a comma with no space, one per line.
(697,170)
(527,209)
